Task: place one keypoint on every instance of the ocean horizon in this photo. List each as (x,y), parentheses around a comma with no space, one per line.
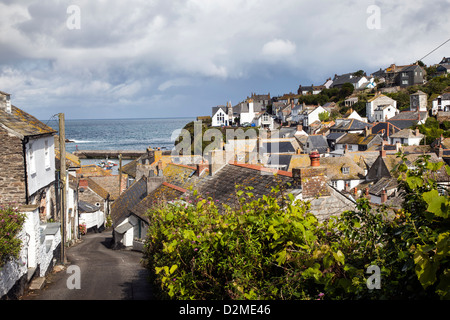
(121,134)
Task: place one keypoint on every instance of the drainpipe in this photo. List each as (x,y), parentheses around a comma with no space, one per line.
(24,148)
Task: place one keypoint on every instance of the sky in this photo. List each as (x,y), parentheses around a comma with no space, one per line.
(179,58)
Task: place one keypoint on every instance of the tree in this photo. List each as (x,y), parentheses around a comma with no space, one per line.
(324,116)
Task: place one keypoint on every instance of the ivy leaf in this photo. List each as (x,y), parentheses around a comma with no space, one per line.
(173,268)
(425,269)
(436,204)
(414,182)
(443,245)
(339,257)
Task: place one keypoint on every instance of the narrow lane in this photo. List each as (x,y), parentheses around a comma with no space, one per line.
(106,274)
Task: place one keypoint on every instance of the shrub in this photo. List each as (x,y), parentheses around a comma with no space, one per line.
(274,248)
(11,222)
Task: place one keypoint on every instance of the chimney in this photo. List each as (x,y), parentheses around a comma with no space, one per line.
(299,127)
(312,181)
(83,183)
(315,159)
(440,152)
(383,196)
(5,102)
(216,160)
(366,131)
(153,183)
(417,132)
(200,168)
(382,151)
(366,193)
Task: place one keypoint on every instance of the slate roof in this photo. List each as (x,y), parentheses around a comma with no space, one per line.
(387,183)
(349,125)
(334,168)
(280,160)
(182,176)
(278,147)
(107,186)
(407,133)
(358,139)
(385,129)
(332,205)
(384,167)
(335,136)
(221,186)
(85,207)
(121,207)
(23,124)
(317,142)
(407,119)
(344,78)
(165,192)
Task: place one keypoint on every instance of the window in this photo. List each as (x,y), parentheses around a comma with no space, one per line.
(334,183)
(404,81)
(31,158)
(345,170)
(220,118)
(47,155)
(404,74)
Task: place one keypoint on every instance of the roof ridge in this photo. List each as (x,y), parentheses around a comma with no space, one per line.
(261,168)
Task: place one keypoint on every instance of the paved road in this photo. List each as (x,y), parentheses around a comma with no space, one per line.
(106,274)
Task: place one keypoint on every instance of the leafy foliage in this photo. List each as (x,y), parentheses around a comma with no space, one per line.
(11,222)
(274,248)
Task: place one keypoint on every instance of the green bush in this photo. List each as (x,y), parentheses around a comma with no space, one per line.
(274,248)
(11,222)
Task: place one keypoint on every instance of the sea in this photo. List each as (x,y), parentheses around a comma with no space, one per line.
(121,134)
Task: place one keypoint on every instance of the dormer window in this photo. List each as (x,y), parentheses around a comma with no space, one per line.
(345,170)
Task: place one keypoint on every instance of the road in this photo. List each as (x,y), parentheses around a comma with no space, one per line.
(105,274)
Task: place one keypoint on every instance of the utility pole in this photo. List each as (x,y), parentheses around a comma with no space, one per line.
(62,174)
(120,173)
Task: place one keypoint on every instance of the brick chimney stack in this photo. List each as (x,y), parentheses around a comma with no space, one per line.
(313,179)
(383,196)
(201,167)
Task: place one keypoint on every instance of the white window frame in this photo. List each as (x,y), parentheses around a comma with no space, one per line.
(32,159)
(47,155)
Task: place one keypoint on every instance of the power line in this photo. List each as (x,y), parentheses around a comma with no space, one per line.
(435,49)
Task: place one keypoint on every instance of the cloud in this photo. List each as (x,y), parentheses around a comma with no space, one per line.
(146,51)
(279,48)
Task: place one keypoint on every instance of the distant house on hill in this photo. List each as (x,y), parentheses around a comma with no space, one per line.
(358,82)
(380,103)
(441,103)
(404,76)
(407,137)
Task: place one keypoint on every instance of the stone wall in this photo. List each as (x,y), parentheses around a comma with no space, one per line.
(12,169)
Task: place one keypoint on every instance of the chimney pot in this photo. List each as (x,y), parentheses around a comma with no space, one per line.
(383,196)
(315,159)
